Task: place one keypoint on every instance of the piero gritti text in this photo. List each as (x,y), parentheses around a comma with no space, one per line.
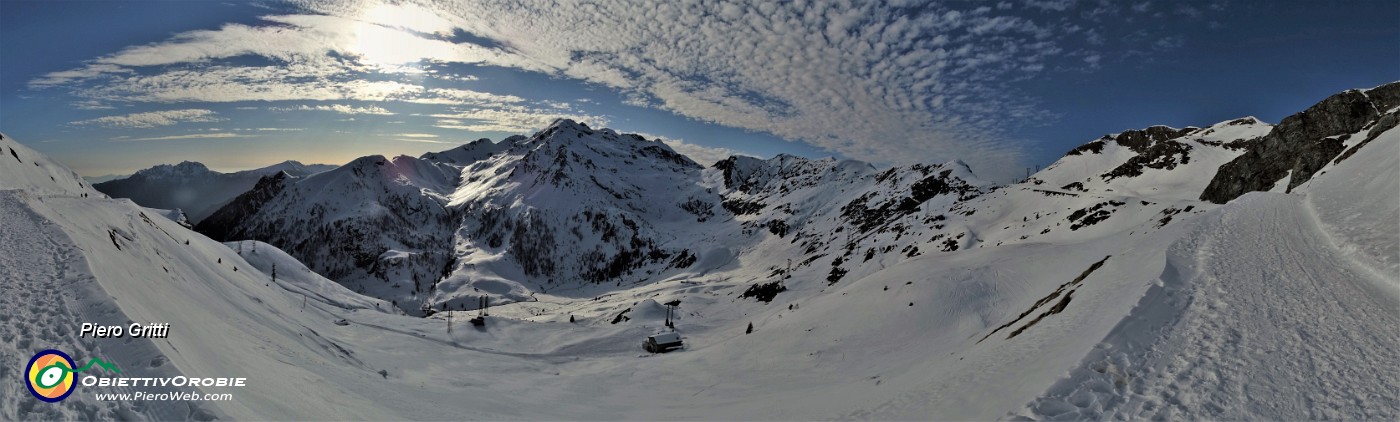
(135,330)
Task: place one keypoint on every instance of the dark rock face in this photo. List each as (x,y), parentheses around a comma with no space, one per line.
(1385,96)
(1301,144)
(764,292)
(1162,155)
(1141,140)
(1385,123)
(1095,147)
(221,223)
(1138,140)
(872,210)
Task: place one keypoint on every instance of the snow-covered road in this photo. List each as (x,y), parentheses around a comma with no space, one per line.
(1257,317)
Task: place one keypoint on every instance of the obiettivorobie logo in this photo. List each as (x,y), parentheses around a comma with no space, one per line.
(50,376)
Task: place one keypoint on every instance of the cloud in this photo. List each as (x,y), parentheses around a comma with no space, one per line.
(425,141)
(91,105)
(416,135)
(265,129)
(219,135)
(511,119)
(894,82)
(153,118)
(874,82)
(1056,5)
(1168,43)
(82,73)
(338,108)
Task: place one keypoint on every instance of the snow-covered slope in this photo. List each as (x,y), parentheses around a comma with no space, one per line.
(33,172)
(477,150)
(1273,307)
(805,289)
(194,188)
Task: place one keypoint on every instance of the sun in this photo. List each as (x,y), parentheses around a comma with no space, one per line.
(398,38)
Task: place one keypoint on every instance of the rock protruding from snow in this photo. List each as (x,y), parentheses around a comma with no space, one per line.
(221,223)
(1159,161)
(1301,144)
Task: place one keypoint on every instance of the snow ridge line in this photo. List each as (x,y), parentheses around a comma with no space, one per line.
(1382,285)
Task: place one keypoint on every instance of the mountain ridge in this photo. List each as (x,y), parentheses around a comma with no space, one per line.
(515,204)
(192,187)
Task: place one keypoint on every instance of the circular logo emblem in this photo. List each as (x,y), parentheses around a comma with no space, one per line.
(50,376)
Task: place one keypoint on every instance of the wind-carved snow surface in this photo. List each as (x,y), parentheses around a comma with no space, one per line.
(913,293)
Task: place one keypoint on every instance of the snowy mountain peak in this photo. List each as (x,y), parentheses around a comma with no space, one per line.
(472,152)
(368,161)
(1142,139)
(292,167)
(961,170)
(566,123)
(1158,162)
(561,130)
(568,150)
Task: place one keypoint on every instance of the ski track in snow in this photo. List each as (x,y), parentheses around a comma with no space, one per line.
(46,281)
(37,314)
(1270,322)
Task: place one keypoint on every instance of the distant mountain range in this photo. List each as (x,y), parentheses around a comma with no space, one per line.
(192,187)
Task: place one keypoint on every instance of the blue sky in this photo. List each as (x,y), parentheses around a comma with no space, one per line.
(114,86)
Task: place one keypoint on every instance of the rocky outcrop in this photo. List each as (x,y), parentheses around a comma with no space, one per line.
(1138,140)
(1385,123)
(221,223)
(1301,144)
(1163,155)
(1141,140)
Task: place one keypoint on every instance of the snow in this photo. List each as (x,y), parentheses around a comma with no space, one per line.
(662,338)
(48,292)
(1205,155)
(1358,202)
(1274,306)
(1256,316)
(478,150)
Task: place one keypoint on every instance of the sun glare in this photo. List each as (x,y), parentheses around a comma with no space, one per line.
(398,37)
